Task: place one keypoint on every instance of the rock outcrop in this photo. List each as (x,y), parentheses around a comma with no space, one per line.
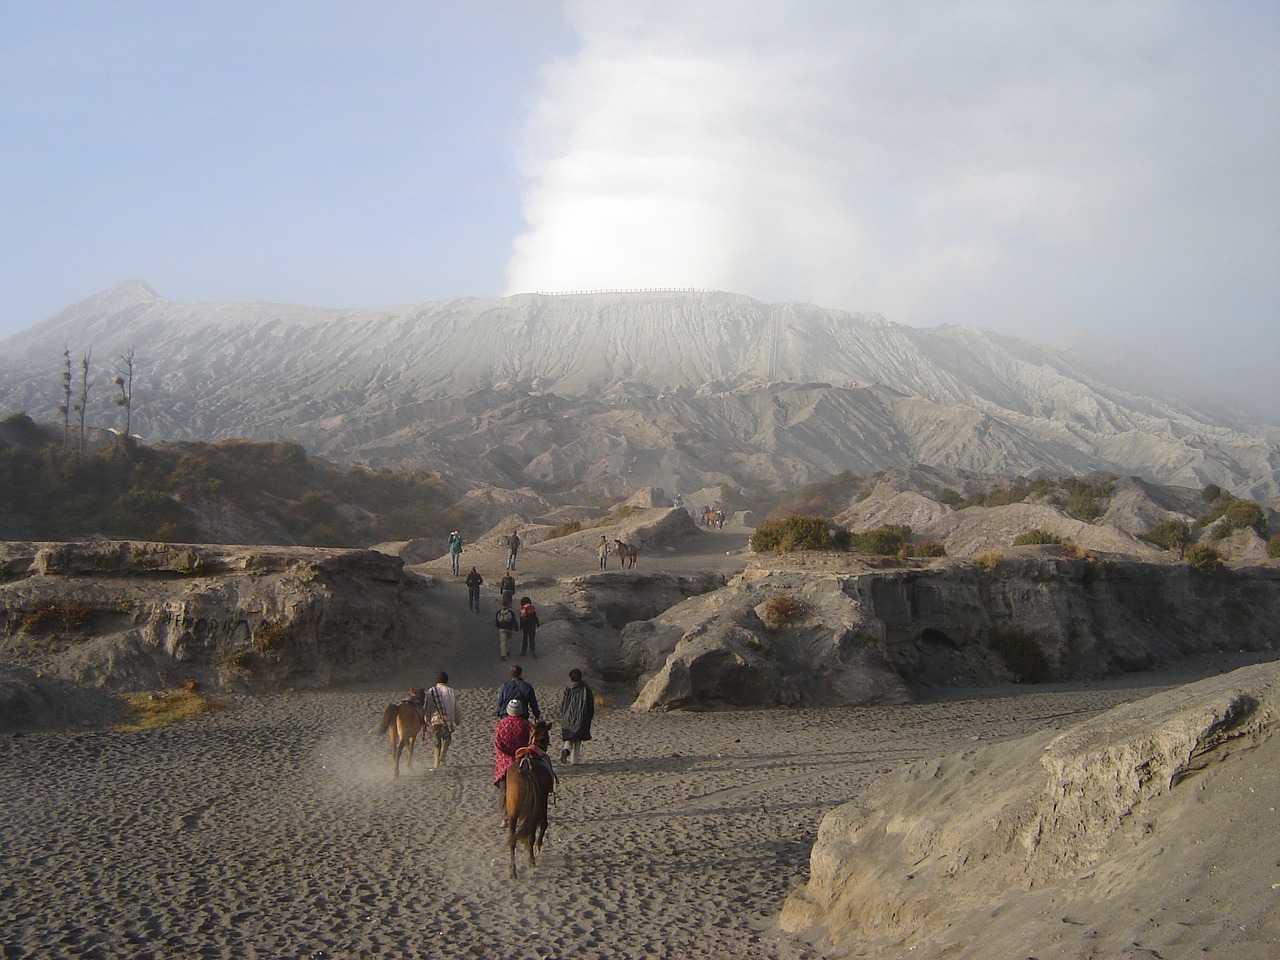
(864,636)
(133,615)
(1140,807)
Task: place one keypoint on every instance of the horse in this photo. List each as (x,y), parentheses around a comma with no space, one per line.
(529,782)
(403,723)
(626,551)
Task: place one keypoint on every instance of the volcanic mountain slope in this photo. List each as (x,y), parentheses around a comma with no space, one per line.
(672,389)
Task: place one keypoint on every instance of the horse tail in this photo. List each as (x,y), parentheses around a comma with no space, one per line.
(388,717)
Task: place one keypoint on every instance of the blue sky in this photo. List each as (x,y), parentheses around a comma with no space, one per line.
(1039,168)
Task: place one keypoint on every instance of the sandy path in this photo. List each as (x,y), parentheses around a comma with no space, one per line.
(275,830)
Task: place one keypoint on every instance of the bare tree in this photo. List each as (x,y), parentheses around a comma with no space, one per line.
(65,408)
(83,402)
(124,380)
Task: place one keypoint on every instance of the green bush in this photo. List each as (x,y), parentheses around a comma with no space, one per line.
(1035,536)
(1202,558)
(1210,492)
(791,533)
(1273,546)
(951,498)
(1171,535)
(931,548)
(1245,515)
(890,540)
(1021,653)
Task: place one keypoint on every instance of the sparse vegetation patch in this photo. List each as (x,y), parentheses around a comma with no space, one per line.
(151,710)
(1036,536)
(780,610)
(1021,652)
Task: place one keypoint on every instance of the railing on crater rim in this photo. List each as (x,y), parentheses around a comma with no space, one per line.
(579,293)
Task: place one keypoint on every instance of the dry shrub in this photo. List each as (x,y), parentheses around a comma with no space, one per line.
(989,561)
(1021,652)
(49,614)
(780,610)
(152,710)
(562,530)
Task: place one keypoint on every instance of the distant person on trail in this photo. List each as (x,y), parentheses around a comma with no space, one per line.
(473,590)
(513,547)
(577,708)
(521,690)
(507,622)
(528,628)
(507,587)
(455,551)
(602,551)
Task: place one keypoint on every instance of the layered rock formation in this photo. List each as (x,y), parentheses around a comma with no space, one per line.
(1143,808)
(859,635)
(135,615)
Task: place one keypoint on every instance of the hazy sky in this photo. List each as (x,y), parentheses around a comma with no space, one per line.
(1036,167)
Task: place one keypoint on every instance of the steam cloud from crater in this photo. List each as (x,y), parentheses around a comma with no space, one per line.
(1007,164)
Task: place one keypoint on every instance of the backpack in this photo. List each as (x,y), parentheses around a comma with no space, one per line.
(506,619)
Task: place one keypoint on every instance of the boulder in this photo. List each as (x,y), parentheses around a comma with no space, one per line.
(1127,814)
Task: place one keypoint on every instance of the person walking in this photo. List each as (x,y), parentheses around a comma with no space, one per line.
(446,716)
(602,551)
(507,588)
(473,590)
(455,551)
(528,628)
(577,709)
(513,547)
(506,621)
(520,689)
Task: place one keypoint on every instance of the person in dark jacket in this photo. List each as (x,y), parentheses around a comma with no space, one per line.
(528,628)
(473,589)
(518,688)
(507,588)
(577,708)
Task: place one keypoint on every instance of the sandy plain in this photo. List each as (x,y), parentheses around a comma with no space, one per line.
(274,828)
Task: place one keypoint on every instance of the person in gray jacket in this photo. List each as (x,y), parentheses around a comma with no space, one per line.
(577,708)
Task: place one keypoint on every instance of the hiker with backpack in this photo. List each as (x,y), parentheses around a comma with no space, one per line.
(507,622)
(528,628)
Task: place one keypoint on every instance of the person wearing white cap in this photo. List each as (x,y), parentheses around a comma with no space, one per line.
(512,734)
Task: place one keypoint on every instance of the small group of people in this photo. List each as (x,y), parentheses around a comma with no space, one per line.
(517,702)
(454,549)
(713,517)
(508,621)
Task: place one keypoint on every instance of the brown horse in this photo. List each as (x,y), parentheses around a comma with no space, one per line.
(403,723)
(529,782)
(626,551)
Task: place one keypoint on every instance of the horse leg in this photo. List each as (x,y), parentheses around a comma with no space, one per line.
(512,808)
(396,747)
